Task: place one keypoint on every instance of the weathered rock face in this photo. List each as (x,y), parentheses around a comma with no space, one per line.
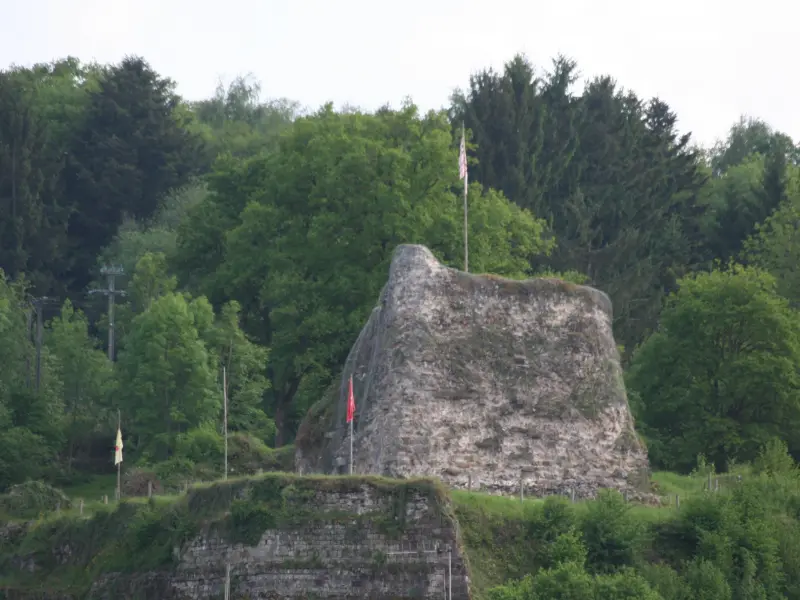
(482,381)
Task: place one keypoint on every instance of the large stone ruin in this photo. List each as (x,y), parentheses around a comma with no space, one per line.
(483,382)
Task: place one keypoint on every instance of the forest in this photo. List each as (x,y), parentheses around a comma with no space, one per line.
(254,235)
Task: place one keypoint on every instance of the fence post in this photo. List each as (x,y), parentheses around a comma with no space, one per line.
(677,500)
(149,489)
(521,487)
(572,495)
(105,499)
(469,482)
(80,507)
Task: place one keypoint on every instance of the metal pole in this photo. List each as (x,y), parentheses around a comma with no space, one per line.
(27,354)
(227,581)
(351,446)
(450,573)
(39,332)
(119,464)
(225,416)
(111,317)
(466,187)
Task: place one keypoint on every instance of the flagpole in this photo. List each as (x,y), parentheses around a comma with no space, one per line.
(466,187)
(119,464)
(225,417)
(351,447)
(351,415)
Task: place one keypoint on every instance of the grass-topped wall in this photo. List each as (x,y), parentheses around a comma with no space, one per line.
(68,554)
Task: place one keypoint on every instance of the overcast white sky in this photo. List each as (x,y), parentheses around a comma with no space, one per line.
(711,60)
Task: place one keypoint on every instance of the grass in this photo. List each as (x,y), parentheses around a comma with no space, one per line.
(94,489)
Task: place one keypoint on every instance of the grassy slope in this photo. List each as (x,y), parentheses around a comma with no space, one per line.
(495,529)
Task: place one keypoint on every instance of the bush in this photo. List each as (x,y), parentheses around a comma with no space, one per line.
(33,498)
(203,445)
(23,455)
(175,473)
(247,454)
(613,536)
(774,459)
(135,482)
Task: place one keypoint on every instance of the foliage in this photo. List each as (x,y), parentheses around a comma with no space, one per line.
(613,536)
(719,377)
(307,233)
(33,498)
(166,382)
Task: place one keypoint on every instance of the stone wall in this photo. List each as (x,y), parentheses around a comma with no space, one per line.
(365,540)
(482,380)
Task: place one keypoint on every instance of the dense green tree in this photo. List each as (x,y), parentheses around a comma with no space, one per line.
(30,419)
(86,376)
(748,137)
(130,151)
(167,385)
(610,174)
(775,245)
(245,364)
(33,216)
(239,123)
(720,376)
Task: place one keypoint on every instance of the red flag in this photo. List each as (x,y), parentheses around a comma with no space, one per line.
(351,403)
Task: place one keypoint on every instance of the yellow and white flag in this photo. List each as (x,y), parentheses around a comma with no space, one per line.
(118,448)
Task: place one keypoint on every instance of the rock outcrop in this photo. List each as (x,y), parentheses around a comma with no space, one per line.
(483,382)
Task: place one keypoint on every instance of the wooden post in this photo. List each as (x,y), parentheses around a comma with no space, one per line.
(469,481)
(521,487)
(105,499)
(149,489)
(80,507)
(677,500)
(572,495)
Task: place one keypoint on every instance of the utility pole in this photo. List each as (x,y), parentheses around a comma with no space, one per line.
(111,291)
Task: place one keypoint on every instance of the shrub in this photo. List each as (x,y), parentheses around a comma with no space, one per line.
(203,445)
(135,482)
(175,473)
(613,536)
(774,459)
(247,454)
(32,498)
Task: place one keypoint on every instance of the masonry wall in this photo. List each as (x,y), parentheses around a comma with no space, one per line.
(371,541)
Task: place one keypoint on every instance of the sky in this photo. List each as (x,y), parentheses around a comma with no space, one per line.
(710,60)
